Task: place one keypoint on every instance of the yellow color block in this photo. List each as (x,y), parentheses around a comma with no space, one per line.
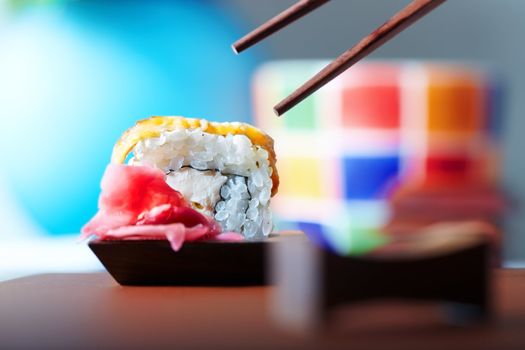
(300,177)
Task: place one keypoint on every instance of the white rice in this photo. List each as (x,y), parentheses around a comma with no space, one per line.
(226,177)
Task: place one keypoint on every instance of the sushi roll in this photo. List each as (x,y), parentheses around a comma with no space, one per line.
(225,171)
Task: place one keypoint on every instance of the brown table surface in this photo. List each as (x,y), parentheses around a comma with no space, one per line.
(92,311)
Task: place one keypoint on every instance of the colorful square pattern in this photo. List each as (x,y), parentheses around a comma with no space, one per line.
(378,125)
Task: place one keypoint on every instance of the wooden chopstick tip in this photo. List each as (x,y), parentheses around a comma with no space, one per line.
(279,109)
(234,49)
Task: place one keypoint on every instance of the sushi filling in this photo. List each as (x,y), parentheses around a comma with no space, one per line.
(224,177)
(200,188)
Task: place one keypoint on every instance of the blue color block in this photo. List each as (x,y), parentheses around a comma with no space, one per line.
(369,177)
(315,233)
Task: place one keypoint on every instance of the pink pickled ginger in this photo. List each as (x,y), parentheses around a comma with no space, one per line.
(137,203)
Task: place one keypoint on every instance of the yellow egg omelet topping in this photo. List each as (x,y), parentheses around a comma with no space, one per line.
(154,126)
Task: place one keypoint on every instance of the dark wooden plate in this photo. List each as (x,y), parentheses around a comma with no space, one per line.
(211,263)
(449,265)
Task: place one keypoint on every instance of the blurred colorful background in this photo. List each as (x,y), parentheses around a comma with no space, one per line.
(443,143)
(389,146)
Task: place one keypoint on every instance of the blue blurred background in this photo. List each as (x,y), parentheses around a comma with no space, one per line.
(75,73)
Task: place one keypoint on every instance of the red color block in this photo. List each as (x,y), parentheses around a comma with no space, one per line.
(372,107)
(448,169)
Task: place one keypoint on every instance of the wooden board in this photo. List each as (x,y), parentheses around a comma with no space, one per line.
(91,311)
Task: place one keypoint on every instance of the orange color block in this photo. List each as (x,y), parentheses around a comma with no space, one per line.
(455,106)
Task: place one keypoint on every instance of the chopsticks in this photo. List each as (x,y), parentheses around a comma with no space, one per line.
(400,21)
(278,22)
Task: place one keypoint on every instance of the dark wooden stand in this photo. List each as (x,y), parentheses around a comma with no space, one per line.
(208,263)
(312,282)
